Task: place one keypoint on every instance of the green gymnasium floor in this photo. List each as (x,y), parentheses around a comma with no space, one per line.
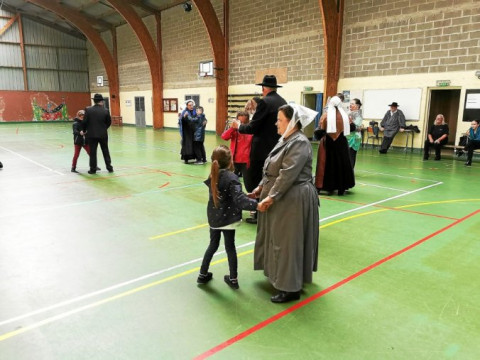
(105,266)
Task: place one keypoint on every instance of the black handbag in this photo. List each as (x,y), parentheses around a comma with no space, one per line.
(463,141)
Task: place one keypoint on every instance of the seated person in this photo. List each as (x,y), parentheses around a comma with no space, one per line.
(473,141)
(437,136)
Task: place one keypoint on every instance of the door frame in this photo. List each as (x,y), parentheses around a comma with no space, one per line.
(428,115)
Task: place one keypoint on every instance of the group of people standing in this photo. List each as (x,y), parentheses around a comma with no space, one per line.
(279,169)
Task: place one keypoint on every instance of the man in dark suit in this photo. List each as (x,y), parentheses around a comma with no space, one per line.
(264,131)
(95,124)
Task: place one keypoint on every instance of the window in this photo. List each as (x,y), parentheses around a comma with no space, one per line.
(195,98)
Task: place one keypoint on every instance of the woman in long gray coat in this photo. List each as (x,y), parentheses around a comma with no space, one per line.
(286,247)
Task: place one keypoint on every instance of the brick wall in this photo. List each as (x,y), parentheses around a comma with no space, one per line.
(185,43)
(133,68)
(95,64)
(410,36)
(275,34)
(267,34)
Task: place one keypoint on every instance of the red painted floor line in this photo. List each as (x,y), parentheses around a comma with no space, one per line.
(301,304)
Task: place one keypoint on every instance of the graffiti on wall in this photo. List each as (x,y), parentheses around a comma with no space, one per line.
(50,111)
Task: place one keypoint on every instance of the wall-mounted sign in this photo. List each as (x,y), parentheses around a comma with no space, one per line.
(128,102)
(99,80)
(170,105)
(443,82)
(472,101)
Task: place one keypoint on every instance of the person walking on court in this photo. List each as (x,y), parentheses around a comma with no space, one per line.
(95,124)
(262,127)
(392,123)
(224,210)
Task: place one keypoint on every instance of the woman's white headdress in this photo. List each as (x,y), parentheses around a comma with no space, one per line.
(301,114)
(335,103)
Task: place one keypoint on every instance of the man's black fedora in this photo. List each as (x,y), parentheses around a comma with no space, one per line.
(269,81)
(97,97)
(394,104)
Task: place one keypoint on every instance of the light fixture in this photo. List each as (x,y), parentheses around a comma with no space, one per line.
(187,7)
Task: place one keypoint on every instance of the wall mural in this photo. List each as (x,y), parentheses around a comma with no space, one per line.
(51,111)
(41,106)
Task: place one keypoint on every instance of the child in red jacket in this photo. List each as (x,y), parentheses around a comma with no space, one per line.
(240,145)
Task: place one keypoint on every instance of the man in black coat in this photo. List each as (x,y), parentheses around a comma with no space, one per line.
(95,124)
(264,130)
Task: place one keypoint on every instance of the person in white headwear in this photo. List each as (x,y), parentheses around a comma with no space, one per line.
(187,129)
(334,168)
(286,246)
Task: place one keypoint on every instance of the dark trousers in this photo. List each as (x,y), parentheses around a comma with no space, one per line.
(386,142)
(438,149)
(353,157)
(199,151)
(77,153)
(93,143)
(229,237)
(471,145)
(253,175)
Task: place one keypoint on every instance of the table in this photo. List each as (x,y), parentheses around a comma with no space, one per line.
(409,135)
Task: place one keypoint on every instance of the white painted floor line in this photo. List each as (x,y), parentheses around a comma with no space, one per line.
(159,272)
(32,161)
(113,287)
(379,202)
(394,175)
(381,187)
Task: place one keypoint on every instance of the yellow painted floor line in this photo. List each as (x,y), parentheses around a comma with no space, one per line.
(66,314)
(187,272)
(177,232)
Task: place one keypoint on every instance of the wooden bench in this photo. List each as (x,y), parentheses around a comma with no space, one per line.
(456,148)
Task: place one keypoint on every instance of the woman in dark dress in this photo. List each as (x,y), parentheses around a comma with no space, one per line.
(334,168)
(187,129)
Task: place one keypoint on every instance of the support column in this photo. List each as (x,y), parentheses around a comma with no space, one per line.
(22,49)
(332,18)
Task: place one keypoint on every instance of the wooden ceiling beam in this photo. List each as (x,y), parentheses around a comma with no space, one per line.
(141,5)
(71,31)
(332,16)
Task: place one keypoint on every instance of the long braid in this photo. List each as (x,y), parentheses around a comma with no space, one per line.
(221,159)
(214,181)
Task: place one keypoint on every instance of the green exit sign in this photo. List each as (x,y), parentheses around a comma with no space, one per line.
(443,82)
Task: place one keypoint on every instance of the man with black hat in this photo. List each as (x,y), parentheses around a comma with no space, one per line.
(392,122)
(95,124)
(264,131)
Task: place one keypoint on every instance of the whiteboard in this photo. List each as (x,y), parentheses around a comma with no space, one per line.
(375,102)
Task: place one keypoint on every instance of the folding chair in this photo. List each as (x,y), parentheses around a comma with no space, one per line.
(373,134)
